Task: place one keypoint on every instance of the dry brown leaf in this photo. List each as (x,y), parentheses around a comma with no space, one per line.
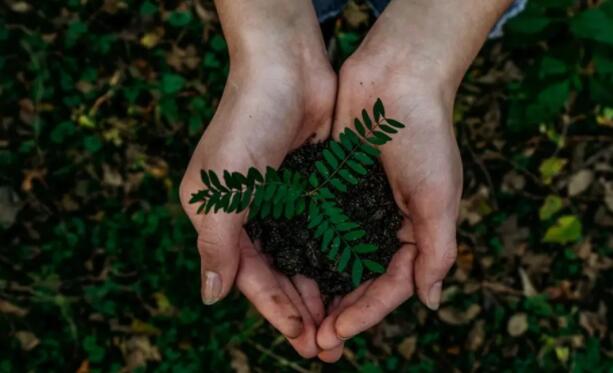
(84,367)
(355,15)
(9,308)
(30,176)
(526,283)
(453,316)
(137,351)
(518,324)
(476,336)
(9,206)
(240,362)
(111,176)
(593,323)
(407,347)
(27,340)
(580,181)
(20,7)
(608,196)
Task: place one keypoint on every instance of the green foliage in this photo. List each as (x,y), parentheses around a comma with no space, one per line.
(285,194)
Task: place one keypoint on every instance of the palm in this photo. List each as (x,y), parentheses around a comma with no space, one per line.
(259,120)
(424,170)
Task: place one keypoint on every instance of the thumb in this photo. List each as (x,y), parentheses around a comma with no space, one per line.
(437,250)
(218,246)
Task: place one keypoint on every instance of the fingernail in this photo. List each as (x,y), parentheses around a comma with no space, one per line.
(434,295)
(211,289)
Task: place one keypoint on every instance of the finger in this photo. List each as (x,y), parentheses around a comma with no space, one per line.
(260,285)
(305,343)
(333,355)
(383,296)
(437,251)
(327,338)
(309,292)
(218,241)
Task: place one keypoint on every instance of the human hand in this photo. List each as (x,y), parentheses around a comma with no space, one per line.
(413,58)
(277,97)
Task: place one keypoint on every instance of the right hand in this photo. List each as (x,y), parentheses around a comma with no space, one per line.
(268,108)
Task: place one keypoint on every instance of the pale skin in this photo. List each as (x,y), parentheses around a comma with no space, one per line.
(281,93)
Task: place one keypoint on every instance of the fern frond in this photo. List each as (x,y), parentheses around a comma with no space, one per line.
(339,236)
(273,194)
(346,161)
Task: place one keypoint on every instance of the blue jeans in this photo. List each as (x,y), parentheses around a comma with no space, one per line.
(327,9)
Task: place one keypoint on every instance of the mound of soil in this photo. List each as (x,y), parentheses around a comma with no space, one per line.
(292,246)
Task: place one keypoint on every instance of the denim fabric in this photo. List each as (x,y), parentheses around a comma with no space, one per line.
(327,9)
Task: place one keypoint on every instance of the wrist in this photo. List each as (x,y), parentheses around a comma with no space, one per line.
(436,39)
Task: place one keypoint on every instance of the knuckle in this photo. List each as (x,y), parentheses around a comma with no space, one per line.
(447,258)
(185,191)
(209,249)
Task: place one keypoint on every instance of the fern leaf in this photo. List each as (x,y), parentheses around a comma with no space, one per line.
(365,248)
(215,181)
(357,168)
(388,129)
(330,158)
(344,259)
(337,149)
(394,123)
(354,235)
(378,110)
(327,239)
(338,185)
(359,127)
(357,271)
(366,119)
(334,248)
(323,170)
(348,176)
(373,266)
(363,158)
(205,178)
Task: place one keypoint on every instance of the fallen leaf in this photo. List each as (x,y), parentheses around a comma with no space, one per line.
(454,316)
(562,353)
(9,308)
(550,168)
(407,347)
(608,196)
(27,340)
(20,7)
(526,283)
(111,176)
(580,181)
(137,351)
(141,327)
(355,15)
(551,205)
(9,206)
(518,324)
(30,176)
(567,229)
(84,367)
(476,336)
(151,39)
(240,362)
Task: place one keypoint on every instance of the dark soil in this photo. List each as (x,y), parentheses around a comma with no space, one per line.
(292,246)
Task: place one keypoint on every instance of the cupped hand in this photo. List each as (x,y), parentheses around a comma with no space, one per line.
(268,108)
(424,170)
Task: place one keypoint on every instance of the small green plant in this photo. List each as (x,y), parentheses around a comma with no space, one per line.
(286,194)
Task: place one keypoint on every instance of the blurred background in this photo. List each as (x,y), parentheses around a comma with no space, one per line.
(101,104)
